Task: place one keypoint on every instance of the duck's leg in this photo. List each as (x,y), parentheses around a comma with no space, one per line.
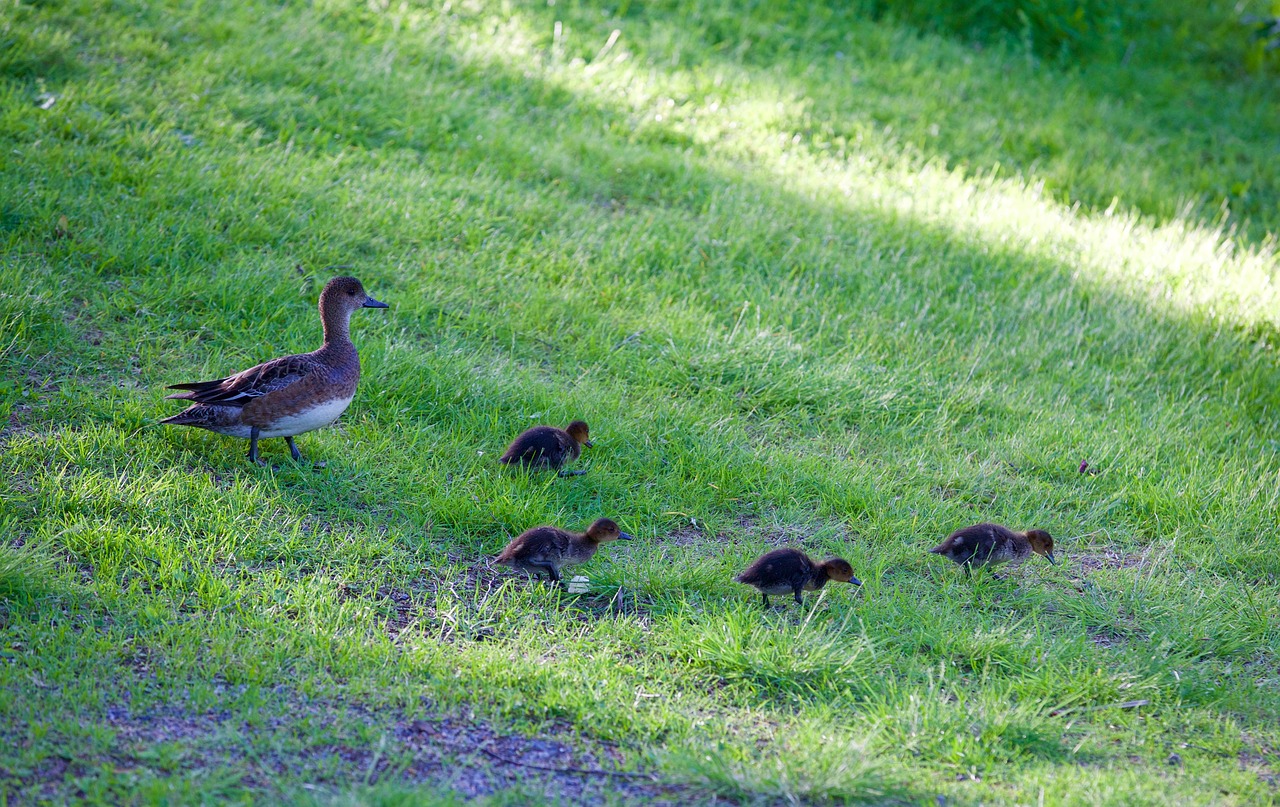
(253,445)
(293,449)
(796,593)
(551,570)
(968,573)
(766,600)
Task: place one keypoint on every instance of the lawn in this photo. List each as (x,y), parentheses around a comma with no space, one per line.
(817,278)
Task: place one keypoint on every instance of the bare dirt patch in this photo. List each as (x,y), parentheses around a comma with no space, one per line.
(692,536)
(417,607)
(279,752)
(560,769)
(1262,760)
(1079,567)
(16,425)
(623,603)
(1098,558)
(1107,637)
(1076,573)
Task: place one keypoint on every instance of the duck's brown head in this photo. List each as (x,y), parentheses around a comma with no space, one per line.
(838,569)
(340,297)
(1042,544)
(604,529)
(578,431)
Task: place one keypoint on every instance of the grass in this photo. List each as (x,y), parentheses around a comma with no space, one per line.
(813,279)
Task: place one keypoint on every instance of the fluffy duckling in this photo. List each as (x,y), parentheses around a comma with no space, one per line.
(289,395)
(547,549)
(991,544)
(548,447)
(784,571)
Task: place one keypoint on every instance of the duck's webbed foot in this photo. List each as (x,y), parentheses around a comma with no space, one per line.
(578,472)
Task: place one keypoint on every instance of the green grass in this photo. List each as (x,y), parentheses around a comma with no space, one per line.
(812,278)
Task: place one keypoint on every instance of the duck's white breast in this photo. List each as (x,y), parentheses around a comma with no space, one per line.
(316,417)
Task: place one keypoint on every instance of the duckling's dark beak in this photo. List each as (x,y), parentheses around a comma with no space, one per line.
(622,536)
(855,581)
(369,302)
(589,444)
(1049,555)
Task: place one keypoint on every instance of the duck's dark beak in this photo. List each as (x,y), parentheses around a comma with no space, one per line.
(855,581)
(369,302)
(589,444)
(622,536)
(1049,555)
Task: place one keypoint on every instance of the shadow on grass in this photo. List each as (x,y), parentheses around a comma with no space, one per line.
(1040,314)
(1159,134)
(286,742)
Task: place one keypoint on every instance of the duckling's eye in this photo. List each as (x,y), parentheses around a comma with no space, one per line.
(351,294)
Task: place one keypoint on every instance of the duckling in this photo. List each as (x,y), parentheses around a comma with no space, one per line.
(992,544)
(547,549)
(290,395)
(548,447)
(790,570)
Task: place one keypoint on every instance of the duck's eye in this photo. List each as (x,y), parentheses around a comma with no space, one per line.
(351,294)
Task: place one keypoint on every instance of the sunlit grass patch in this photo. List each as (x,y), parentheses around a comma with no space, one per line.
(768,654)
(24,575)
(806,761)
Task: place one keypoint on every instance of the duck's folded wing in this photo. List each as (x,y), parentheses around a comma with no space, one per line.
(527,545)
(243,387)
(546,542)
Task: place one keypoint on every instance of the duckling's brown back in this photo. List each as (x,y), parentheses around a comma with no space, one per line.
(542,445)
(537,543)
(977,544)
(789,566)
